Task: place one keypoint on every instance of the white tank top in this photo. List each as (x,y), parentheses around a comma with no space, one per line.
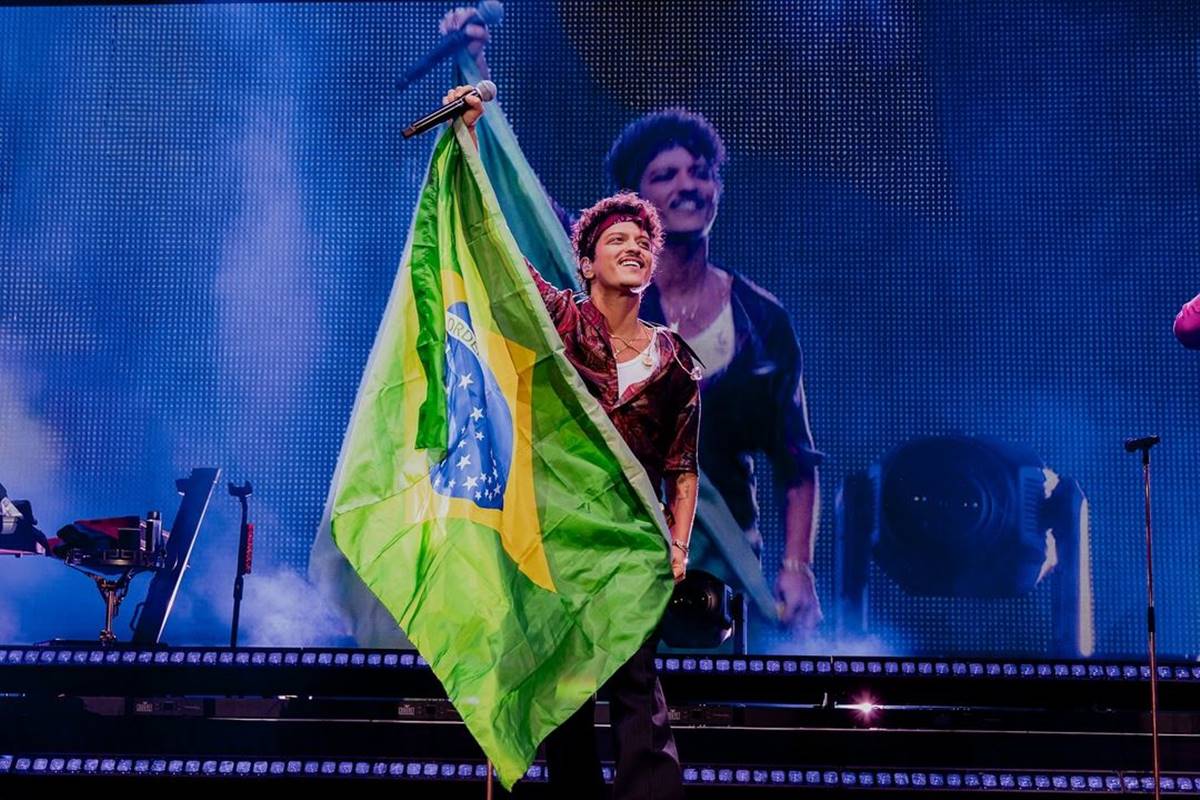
(715,344)
(637,369)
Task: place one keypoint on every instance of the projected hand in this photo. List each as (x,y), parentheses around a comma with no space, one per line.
(799,607)
(474,103)
(480,36)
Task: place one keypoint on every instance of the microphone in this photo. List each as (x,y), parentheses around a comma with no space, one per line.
(484,89)
(489,13)
(1144,443)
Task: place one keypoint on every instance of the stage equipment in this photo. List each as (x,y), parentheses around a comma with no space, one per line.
(113,550)
(112,568)
(959,516)
(195,492)
(1143,446)
(953,727)
(19,535)
(703,613)
(245,555)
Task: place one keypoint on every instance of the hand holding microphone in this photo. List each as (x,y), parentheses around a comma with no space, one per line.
(463,101)
(474,97)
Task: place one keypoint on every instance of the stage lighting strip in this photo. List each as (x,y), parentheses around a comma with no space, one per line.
(193,657)
(725,775)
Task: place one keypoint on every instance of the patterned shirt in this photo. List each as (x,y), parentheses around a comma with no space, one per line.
(659,417)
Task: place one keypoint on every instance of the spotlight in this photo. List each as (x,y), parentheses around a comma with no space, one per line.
(969,517)
(865,707)
(699,614)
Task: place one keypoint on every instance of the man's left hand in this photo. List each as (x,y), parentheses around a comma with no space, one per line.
(678,564)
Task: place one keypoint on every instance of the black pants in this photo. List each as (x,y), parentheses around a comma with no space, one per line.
(647,761)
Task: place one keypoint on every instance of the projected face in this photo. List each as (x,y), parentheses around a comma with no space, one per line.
(684,189)
(623,259)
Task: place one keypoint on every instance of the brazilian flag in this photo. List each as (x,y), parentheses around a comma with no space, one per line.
(482,494)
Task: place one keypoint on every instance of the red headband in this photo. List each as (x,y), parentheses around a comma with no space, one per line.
(605,224)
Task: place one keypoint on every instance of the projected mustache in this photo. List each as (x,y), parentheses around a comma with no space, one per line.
(694,198)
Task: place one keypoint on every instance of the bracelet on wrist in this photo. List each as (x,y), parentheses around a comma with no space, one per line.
(795,565)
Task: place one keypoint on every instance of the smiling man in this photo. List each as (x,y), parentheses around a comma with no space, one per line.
(642,375)
(645,380)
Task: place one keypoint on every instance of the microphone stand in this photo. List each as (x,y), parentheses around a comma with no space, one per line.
(245,555)
(1143,446)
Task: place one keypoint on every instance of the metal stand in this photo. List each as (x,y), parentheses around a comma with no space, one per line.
(245,554)
(1143,446)
(112,571)
(113,593)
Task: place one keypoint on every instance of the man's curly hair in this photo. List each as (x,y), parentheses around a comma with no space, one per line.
(647,136)
(588,227)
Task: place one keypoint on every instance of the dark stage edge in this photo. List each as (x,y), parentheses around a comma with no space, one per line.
(84,714)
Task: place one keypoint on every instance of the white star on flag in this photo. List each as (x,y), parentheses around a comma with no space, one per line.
(464,462)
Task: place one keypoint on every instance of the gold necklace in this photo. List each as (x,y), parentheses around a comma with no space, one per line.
(647,356)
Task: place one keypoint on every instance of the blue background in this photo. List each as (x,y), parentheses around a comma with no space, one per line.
(982,217)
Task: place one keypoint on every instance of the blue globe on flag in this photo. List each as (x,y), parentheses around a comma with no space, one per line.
(479,456)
